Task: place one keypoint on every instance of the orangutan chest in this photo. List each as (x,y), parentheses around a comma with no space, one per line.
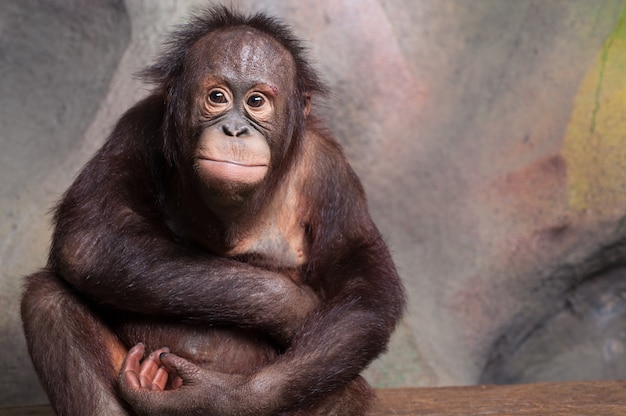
(283,240)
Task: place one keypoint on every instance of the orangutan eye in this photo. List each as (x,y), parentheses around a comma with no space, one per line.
(255,101)
(218,97)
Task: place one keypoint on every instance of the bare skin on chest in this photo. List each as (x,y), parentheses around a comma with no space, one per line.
(279,236)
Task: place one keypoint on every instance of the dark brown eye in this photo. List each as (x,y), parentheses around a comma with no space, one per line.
(255,101)
(218,97)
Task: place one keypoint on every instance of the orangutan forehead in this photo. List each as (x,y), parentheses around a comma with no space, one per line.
(243,53)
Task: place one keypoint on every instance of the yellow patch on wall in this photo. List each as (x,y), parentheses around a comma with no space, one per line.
(595,141)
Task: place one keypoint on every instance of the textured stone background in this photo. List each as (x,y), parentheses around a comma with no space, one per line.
(488,134)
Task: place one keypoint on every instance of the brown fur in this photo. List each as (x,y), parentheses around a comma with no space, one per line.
(295,294)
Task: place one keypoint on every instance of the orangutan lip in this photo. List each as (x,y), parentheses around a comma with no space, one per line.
(245,165)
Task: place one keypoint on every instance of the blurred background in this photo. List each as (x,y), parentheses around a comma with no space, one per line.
(490,137)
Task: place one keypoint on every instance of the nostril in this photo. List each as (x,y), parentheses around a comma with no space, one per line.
(227,130)
(242,131)
(235,132)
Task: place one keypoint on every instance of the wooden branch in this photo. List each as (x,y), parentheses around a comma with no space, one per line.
(606,398)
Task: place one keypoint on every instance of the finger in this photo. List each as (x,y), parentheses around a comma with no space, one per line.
(157,354)
(131,365)
(175,381)
(150,369)
(160,379)
(162,374)
(134,356)
(184,369)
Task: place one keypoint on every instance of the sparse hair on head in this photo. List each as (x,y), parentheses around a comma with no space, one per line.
(171,63)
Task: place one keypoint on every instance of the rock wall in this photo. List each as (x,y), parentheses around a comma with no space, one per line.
(488,136)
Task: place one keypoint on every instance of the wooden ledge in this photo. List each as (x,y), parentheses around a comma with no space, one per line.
(606,398)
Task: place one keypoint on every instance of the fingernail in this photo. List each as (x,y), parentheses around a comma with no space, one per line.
(163,355)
